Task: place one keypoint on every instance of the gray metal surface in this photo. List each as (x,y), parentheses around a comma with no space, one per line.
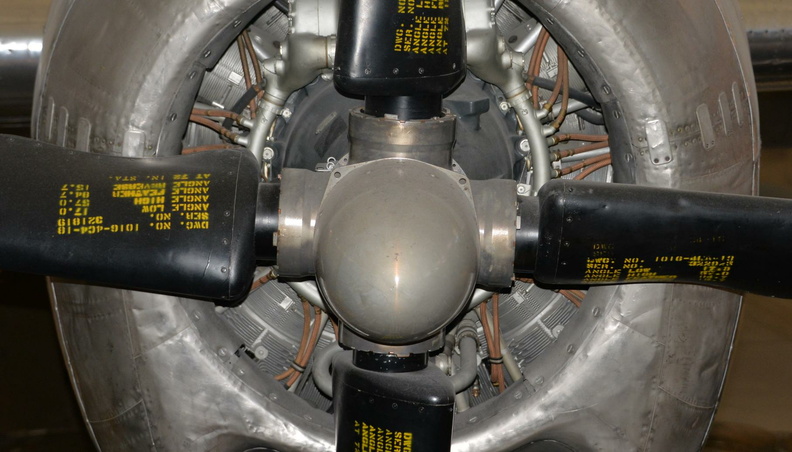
(465,337)
(496,212)
(768,24)
(638,367)
(302,58)
(308,50)
(302,194)
(396,249)
(429,141)
(631,333)
(490,59)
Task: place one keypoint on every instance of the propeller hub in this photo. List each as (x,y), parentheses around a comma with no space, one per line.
(397,249)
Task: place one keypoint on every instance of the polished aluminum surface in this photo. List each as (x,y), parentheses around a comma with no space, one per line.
(496,213)
(626,348)
(638,367)
(427,140)
(768,24)
(302,192)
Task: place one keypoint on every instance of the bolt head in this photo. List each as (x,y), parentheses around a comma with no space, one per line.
(261,352)
(268,153)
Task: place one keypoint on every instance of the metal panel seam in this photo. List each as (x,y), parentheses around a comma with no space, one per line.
(43,70)
(694,405)
(116,416)
(666,333)
(752,114)
(125,303)
(68,362)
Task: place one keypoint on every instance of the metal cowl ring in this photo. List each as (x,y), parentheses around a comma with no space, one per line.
(397,248)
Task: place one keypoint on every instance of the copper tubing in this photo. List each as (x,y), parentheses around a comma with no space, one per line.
(493,347)
(208,147)
(487,336)
(216,113)
(306,331)
(548,106)
(256,68)
(261,281)
(578,137)
(214,126)
(253,57)
(584,164)
(573,295)
(558,155)
(594,167)
(535,65)
(563,68)
(569,295)
(302,361)
(244,61)
(496,333)
(246,72)
(578,293)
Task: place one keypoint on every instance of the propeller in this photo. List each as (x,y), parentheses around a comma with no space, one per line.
(181,225)
(197,225)
(591,233)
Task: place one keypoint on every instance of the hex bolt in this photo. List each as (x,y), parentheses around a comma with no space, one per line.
(268,153)
(525,146)
(261,352)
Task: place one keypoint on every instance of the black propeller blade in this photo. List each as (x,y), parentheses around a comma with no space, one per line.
(594,233)
(196,226)
(181,225)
